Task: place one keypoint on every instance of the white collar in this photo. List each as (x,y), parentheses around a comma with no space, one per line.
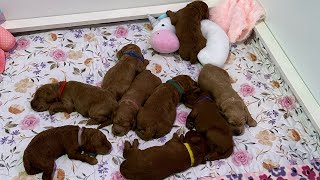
(79,135)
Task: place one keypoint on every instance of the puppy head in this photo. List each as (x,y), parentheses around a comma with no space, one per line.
(219,140)
(186,82)
(198,144)
(235,114)
(123,119)
(145,131)
(202,8)
(95,142)
(129,48)
(45,96)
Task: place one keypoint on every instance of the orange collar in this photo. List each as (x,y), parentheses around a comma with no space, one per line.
(63,85)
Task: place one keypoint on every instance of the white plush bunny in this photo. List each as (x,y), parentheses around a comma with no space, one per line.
(217,48)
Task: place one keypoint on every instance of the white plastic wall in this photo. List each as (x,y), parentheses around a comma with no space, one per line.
(296,26)
(22,9)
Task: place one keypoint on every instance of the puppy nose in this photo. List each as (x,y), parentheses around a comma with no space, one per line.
(237,132)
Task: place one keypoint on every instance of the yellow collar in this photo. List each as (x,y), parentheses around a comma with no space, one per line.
(190,153)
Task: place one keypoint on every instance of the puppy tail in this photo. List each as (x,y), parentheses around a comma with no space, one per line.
(28,167)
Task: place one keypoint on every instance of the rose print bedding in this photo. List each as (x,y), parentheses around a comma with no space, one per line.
(284,137)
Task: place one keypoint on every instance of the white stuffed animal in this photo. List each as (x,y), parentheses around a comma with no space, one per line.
(217,48)
(163,38)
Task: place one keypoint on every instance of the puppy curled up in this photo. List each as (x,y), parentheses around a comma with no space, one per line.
(159,162)
(89,101)
(124,117)
(188,29)
(217,81)
(156,118)
(47,146)
(131,62)
(207,120)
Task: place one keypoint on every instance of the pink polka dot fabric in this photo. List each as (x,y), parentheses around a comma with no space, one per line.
(2,61)
(7,40)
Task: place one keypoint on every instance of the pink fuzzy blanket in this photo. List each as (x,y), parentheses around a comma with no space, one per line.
(237,17)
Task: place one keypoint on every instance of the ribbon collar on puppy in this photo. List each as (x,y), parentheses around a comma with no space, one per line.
(132,54)
(201,98)
(176,85)
(63,85)
(79,136)
(190,153)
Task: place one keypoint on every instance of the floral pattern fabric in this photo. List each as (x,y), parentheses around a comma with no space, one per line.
(299,172)
(284,135)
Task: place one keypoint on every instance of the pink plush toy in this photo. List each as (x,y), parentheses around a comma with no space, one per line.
(163,38)
(7,42)
(237,17)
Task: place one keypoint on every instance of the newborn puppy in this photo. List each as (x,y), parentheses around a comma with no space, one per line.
(49,145)
(89,101)
(207,120)
(119,77)
(217,81)
(124,117)
(159,162)
(188,29)
(155,119)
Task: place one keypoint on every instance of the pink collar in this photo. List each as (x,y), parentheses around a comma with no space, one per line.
(79,135)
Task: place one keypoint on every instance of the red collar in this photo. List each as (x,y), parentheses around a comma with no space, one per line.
(63,85)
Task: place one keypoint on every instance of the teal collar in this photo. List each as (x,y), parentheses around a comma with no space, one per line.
(162,16)
(176,85)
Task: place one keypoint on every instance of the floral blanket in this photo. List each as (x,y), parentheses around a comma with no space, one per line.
(284,135)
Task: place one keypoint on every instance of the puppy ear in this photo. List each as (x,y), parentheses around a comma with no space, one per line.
(173,17)
(119,54)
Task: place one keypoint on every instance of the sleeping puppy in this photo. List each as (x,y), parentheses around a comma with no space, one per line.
(50,144)
(207,120)
(124,117)
(159,162)
(217,81)
(89,101)
(155,119)
(131,62)
(188,29)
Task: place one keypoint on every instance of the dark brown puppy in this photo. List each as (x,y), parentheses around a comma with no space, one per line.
(155,119)
(49,145)
(119,77)
(207,120)
(124,117)
(188,29)
(89,101)
(159,162)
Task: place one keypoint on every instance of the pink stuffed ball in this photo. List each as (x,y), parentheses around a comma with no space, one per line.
(164,41)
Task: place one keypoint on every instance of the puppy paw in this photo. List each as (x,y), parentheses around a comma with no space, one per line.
(190,125)
(51,112)
(92,122)
(93,161)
